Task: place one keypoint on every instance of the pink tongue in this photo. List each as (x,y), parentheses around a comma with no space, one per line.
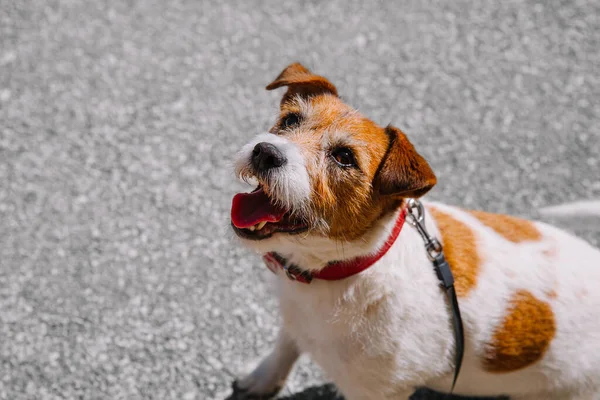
(248,209)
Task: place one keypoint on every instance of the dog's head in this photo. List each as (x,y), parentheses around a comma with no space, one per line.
(323,170)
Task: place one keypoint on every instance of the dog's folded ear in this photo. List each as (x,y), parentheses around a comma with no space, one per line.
(301,82)
(403,172)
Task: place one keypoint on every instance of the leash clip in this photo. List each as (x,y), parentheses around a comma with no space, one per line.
(415,213)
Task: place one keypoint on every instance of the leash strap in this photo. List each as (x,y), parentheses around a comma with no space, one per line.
(435,252)
(444,274)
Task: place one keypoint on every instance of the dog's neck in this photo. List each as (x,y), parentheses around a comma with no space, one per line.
(316,253)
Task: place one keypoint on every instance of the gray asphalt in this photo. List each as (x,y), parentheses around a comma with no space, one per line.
(119,275)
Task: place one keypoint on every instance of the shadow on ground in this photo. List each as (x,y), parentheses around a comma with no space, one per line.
(328,392)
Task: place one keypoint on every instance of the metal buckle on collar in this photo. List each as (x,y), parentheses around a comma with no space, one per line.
(290,276)
(293,272)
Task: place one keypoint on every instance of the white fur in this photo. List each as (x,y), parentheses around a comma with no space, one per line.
(387,330)
(270,375)
(291,184)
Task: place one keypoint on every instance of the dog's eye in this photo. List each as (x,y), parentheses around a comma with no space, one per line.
(290,120)
(343,156)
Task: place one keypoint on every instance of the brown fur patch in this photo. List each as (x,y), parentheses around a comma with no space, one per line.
(513,229)
(460,248)
(346,200)
(301,82)
(343,198)
(524,336)
(404,172)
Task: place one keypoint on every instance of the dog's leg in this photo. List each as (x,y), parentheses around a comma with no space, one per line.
(270,375)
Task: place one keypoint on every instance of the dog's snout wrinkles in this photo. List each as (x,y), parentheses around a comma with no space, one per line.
(266,156)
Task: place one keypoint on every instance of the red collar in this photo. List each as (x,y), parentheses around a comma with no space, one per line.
(335,270)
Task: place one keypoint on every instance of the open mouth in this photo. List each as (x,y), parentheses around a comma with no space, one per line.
(255,217)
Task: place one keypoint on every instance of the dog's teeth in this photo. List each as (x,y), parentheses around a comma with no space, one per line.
(261,225)
(252,228)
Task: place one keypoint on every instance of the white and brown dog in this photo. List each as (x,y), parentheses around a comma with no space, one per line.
(357,291)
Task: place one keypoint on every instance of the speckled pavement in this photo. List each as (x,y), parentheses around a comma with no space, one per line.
(119,275)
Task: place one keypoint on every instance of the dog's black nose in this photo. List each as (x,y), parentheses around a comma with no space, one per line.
(266,156)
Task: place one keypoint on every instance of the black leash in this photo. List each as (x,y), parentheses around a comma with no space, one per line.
(416,217)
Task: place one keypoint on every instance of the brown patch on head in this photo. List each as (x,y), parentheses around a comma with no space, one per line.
(353,198)
(301,82)
(344,197)
(460,248)
(347,198)
(513,229)
(524,336)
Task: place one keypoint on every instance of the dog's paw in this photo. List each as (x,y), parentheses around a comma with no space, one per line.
(253,387)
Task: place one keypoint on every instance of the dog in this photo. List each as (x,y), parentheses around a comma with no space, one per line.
(356,288)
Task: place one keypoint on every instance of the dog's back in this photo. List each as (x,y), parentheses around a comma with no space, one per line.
(529,300)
